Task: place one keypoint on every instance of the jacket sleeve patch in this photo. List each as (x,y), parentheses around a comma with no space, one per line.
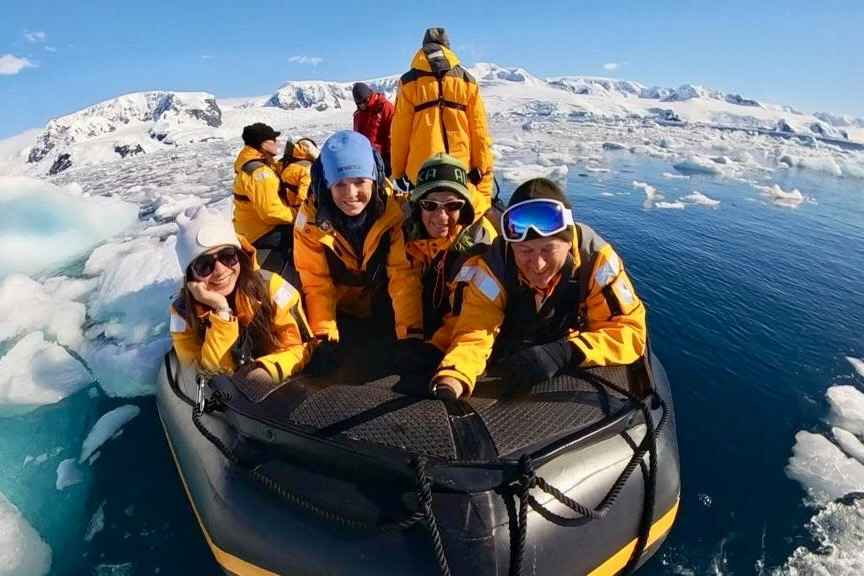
(177,324)
(284,295)
(466,273)
(606,273)
(486,285)
(264,174)
(625,295)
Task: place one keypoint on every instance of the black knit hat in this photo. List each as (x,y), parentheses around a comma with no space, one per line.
(542,188)
(255,134)
(361,93)
(436,36)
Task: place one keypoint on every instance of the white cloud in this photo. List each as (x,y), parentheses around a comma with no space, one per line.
(611,66)
(311,60)
(50,49)
(206,56)
(34,36)
(11,64)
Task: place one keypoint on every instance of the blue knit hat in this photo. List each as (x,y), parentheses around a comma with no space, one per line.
(347,154)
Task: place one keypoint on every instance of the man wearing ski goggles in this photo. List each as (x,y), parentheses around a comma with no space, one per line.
(549,294)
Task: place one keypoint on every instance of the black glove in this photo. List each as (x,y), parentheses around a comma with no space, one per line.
(444,393)
(326,358)
(475,176)
(415,355)
(539,363)
(404,184)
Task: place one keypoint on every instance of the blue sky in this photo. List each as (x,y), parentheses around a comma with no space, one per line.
(64,56)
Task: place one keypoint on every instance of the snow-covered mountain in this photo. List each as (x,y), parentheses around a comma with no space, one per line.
(146,122)
(127,125)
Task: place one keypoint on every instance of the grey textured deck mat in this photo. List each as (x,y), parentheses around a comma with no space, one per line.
(374,413)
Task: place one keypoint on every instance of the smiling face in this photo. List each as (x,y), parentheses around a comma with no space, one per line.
(352,195)
(223,279)
(440,223)
(540,259)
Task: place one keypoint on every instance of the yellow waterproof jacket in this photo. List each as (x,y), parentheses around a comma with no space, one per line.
(334,277)
(257,205)
(436,261)
(611,316)
(296,176)
(442,113)
(213,354)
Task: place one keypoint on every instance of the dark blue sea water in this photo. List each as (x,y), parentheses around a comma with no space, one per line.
(752,308)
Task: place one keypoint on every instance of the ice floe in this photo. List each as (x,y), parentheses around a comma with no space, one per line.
(43,225)
(697,197)
(35,372)
(104,428)
(22,550)
(68,474)
(787,199)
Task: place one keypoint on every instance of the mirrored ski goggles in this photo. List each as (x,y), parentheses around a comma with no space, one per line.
(449,206)
(547,217)
(204,265)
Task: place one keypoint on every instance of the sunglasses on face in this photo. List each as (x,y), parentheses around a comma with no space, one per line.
(547,218)
(450,206)
(204,265)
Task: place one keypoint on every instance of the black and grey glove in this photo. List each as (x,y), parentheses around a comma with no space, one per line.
(539,363)
(326,358)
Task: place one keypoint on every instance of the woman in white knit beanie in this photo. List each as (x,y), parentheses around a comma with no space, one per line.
(230,315)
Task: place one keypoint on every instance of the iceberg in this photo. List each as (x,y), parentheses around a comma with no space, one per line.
(22,550)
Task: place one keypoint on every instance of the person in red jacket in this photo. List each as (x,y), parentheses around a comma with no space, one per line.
(372,119)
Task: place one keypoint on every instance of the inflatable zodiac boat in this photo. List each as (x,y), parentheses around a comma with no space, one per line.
(349,475)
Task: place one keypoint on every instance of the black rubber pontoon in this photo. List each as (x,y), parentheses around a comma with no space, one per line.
(579,475)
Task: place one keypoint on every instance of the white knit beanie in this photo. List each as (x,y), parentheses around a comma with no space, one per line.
(201,229)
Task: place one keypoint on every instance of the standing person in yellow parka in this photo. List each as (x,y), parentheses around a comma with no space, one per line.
(260,213)
(547,295)
(439,109)
(350,251)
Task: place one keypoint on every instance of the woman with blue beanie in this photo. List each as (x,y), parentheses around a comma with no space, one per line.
(350,250)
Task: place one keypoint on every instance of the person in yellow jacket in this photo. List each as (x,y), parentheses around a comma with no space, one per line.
(439,108)
(447,226)
(229,314)
(548,294)
(295,171)
(349,248)
(260,212)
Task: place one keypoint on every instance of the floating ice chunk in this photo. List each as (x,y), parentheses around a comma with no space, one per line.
(850,443)
(528,171)
(42,458)
(857,364)
(22,550)
(68,474)
(651,194)
(36,372)
(847,408)
(96,524)
(825,164)
(779,196)
(697,197)
(677,205)
(554,159)
(698,165)
(105,428)
(852,168)
(124,372)
(614,146)
(43,225)
(124,569)
(26,305)
(839,531)
(671,176)
(137,282)
(825,472)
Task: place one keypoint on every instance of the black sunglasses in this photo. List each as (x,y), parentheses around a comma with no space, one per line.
(450,206)
(204,265)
